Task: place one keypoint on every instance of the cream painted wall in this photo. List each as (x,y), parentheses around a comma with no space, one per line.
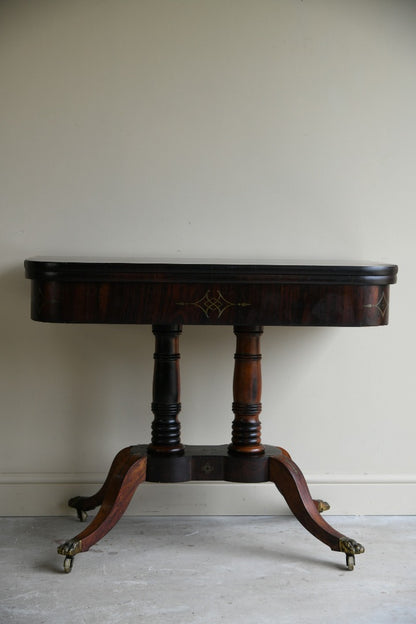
(209,128)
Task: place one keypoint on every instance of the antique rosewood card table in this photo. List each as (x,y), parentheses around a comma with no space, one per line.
(169,295)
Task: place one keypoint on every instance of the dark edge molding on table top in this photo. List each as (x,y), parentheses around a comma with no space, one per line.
(73,269)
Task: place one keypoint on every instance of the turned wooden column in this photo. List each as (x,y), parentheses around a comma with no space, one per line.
(246,428)
(166,391)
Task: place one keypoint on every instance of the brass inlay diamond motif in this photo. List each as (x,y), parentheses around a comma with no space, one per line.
(209,304)
(207,468)
(381,305)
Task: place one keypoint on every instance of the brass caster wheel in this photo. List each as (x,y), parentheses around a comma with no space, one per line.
(350,562)
(82,515)
(68,564)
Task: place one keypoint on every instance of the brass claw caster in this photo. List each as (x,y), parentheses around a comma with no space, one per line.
(76,503)
(321,505)
(69,549)
(351,548)
(68,564)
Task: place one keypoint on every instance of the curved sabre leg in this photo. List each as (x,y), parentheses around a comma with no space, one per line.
(319,504)
(125,478)
(291,483)
(82,504)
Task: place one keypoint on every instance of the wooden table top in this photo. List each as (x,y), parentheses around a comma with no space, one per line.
(93,290)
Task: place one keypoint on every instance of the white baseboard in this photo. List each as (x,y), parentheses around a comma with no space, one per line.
(47,495)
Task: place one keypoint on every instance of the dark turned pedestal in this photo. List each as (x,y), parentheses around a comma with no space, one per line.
(170,295)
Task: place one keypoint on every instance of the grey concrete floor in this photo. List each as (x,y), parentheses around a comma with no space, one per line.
(253,570)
